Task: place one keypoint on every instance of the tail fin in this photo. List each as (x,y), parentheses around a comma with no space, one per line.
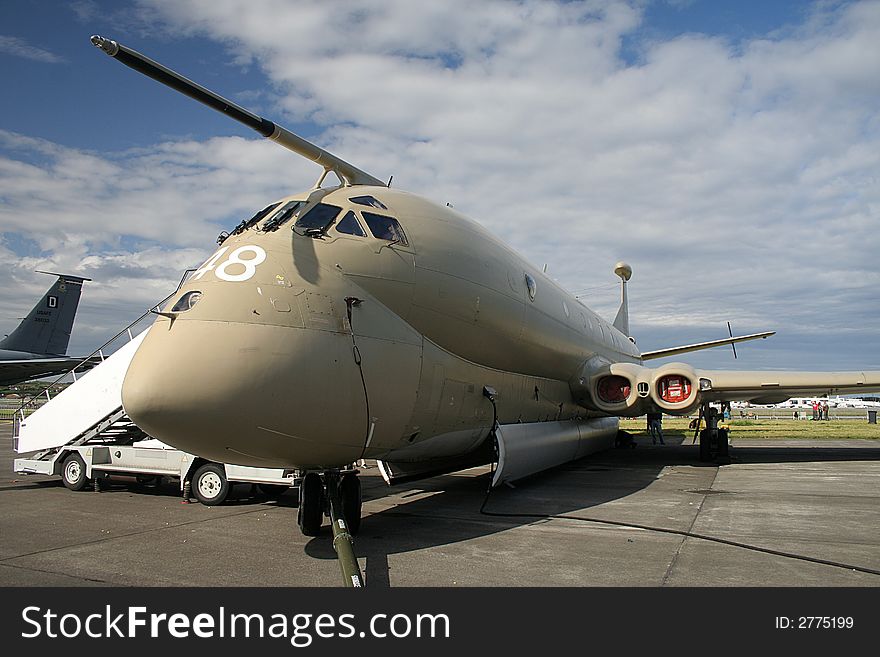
(46,329)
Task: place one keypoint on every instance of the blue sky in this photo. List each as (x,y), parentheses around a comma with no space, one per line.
(728,150)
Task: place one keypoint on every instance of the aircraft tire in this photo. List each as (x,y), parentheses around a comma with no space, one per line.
(723,447)
(350,495)
(705,446)
(310,514)
(210,485)
(73,472)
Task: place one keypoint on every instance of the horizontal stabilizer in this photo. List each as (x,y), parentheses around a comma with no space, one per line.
(672,351)
(16,371)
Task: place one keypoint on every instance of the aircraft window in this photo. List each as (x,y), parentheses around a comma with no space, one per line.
(186,302)
(385,228)
(349,225)
(532,286)
(318,218)
(283,215)
(370,201)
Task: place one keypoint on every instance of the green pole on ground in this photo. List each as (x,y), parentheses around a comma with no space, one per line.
(343,543)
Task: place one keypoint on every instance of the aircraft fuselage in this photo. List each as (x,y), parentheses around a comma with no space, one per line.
(314,350)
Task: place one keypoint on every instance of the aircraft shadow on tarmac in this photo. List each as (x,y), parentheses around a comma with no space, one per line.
(446,509)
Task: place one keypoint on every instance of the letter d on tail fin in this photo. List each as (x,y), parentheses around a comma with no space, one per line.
(46,330)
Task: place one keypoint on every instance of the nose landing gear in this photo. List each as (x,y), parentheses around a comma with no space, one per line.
(338,493)
(315,493)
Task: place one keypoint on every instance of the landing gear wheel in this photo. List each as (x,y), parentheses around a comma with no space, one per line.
(73,472)
(705,446)
(350,496)
(723,447)
(210,485)
(310,515)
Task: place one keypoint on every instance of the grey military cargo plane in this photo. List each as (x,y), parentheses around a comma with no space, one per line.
(37,346)
(359,321)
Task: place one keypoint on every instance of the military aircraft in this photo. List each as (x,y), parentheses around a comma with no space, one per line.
(37,347)
(359,321)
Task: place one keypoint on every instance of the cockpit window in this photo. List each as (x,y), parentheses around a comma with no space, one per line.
(318,218)
(285,214)
(385,228)
(247,223)
(370,201)
(349,225)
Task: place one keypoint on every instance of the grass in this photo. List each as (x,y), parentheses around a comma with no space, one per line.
(766,429)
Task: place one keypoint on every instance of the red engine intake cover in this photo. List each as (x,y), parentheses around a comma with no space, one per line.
(674,388)
(613,389)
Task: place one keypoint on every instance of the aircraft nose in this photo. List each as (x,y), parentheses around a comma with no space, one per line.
(255,395)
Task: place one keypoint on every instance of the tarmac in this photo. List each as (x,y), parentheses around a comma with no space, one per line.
(651,516)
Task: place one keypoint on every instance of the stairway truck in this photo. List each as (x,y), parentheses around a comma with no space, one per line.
(80,465)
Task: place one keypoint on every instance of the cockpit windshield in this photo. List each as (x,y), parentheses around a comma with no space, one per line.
(318,218)
(385,228)
(244,225)
(282,216)
(370,201)
(349,225)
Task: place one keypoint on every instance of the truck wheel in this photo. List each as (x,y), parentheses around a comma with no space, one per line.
(210,485)
(73,472)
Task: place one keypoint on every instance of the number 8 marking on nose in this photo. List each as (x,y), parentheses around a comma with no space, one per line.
(250,264)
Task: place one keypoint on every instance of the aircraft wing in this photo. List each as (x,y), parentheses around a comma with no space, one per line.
(16,371)
(772,387)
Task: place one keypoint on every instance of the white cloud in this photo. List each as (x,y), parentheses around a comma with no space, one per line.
(20,48)
(132,221)
(740,180)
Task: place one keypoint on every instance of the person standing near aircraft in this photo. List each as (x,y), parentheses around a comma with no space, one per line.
(655,426)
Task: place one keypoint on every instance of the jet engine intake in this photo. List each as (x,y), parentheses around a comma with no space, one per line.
(621,389)
(675,388)
(630,390)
